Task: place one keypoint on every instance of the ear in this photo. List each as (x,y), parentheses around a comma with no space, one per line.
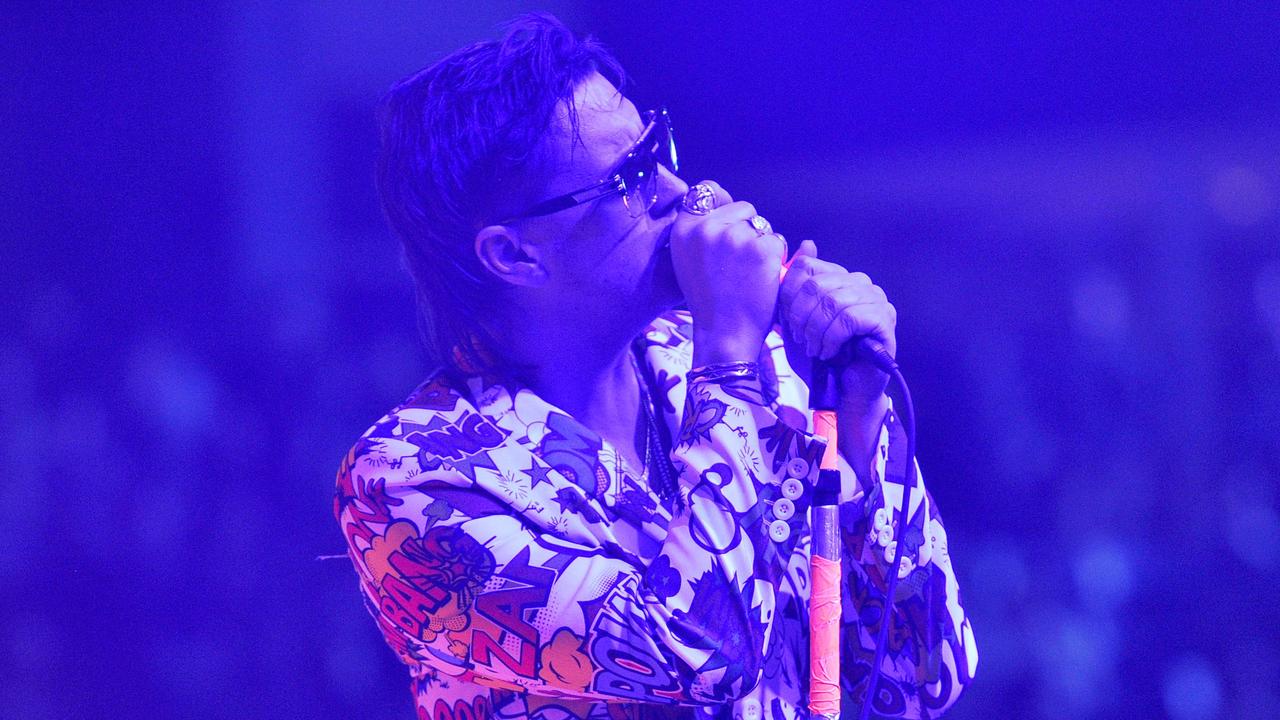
(503,251)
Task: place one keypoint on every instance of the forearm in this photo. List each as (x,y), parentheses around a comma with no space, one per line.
(934,653)
(741,527)
(721,344)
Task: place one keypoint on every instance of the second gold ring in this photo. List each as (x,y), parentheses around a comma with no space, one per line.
(761,225)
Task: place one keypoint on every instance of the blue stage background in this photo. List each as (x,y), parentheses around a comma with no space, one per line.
(1076,211)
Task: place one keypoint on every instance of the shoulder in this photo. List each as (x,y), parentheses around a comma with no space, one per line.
(441,401)
(412,437)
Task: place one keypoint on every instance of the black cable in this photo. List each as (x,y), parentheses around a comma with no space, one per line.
(882,642)
(824,396)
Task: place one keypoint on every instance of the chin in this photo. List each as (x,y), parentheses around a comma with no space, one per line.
(667,290)
(660,299)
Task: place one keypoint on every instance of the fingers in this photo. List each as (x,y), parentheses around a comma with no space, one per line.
(831,309)
(807,249)
(727,223)
(723,212)
(876,319)
(722,196)
(827,304)
(821,304)
(719,198)
(728,273)
(734,212)
(801,268)
(806,284)
(724,228)
(800,260)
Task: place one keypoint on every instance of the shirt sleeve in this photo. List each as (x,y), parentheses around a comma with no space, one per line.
(931,654)
(459,580)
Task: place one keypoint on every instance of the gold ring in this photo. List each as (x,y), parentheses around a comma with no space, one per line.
(761,225)
(700,199)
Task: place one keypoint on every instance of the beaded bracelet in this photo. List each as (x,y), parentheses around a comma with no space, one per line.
(719,372)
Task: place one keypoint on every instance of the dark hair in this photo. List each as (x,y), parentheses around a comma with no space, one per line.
(461,138)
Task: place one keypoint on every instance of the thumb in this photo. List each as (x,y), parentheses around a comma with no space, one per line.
(807,249)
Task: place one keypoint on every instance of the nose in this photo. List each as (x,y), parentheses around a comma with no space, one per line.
(671,189)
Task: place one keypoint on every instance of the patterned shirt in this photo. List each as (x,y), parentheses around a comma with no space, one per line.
(521,569)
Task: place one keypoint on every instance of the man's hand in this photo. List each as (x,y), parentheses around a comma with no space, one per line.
(821,307)
(729,275)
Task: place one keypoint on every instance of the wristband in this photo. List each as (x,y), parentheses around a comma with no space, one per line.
(719,372)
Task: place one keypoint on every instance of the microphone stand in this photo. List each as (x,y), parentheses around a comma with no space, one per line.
(824,562)
(824,557)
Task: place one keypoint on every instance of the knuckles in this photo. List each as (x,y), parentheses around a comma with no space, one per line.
(803,265)
(824,310)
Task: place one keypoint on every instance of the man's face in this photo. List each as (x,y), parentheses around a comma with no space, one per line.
(601,261)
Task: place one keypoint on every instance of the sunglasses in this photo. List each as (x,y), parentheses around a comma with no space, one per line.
(635,177)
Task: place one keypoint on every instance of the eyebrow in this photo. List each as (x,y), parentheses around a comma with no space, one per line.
(633,134)
(625,149)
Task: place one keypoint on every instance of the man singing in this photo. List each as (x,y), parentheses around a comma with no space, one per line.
(598,505)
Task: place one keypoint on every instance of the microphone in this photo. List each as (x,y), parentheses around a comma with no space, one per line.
(823,392)
(872,350)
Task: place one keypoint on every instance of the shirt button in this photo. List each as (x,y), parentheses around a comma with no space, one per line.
(792,489)
(779,530)
(882,519)
(783,509)
(798,468)
(889,551)
(751,709)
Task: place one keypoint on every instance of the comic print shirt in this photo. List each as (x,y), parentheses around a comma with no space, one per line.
(522,570)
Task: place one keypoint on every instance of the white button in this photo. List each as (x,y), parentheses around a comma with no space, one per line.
(751,709)
(798,468)
(889,551)
(882,519)
(792,489)
(783,509)
(779,530)
(883,536)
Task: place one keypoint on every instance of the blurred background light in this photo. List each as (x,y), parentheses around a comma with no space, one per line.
(1103,573)
(1101,306)
(1075,658)
(1254,534)
(1241,196)
(1266,298)
(172,389)
(1192,689)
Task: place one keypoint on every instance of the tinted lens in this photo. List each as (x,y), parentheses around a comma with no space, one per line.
(640,174)
(666,147)
(640,171)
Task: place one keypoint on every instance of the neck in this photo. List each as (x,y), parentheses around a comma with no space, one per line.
(583,368)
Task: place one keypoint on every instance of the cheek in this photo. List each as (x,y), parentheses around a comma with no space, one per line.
(611,251)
